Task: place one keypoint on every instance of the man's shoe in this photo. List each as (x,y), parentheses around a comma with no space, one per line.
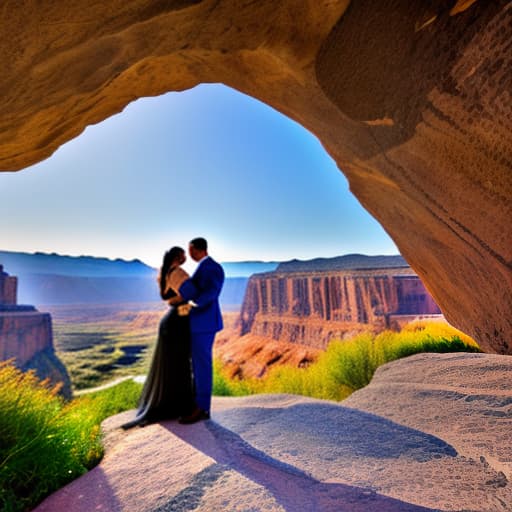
(194,417)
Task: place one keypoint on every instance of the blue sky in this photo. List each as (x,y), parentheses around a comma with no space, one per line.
(205,162)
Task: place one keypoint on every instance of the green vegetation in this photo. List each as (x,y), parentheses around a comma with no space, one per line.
(96,352)
(349,365)
(45,442)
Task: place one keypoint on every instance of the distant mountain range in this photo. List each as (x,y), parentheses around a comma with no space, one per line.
(56,279)
(346,262)
(19,263)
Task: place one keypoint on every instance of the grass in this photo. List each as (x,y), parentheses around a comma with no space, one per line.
(93,341)
(45,442)
(92,351)
(349,365)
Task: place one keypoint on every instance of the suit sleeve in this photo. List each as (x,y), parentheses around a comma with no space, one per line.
(188,290)
(205,292)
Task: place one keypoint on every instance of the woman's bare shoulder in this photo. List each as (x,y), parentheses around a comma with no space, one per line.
(180,272)
(176,277)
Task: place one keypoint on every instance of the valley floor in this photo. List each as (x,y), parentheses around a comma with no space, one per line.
(431,432)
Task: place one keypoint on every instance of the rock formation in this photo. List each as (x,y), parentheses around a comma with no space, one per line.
(312,308)
(411,98)
(26,336)
(251,355)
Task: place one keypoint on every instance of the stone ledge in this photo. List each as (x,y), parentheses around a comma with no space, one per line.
(376,451)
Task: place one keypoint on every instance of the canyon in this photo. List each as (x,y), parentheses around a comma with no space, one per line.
(26,337)
(410,98)
(290,315)
(315,307)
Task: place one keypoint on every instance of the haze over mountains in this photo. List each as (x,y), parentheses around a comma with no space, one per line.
(20,263)
(57,279)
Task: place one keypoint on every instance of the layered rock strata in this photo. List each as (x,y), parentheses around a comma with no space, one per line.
(411,98)
(315,307)
(26,336)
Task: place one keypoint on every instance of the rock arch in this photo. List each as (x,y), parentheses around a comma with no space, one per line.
(412,99)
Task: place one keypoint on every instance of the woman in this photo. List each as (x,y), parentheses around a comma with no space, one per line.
(168,390)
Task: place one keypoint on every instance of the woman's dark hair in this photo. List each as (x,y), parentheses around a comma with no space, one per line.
(169,257)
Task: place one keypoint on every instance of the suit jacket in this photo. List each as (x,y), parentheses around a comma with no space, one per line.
(204,288)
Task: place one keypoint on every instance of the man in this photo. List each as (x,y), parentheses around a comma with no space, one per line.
(202,290)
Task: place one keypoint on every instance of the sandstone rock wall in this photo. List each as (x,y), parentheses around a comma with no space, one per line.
(8,288)
(411,98)
(26,336)
(313,308)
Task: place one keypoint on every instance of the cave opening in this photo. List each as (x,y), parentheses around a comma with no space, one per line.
(208,160)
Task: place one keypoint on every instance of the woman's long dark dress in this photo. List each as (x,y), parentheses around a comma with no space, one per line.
(168,390)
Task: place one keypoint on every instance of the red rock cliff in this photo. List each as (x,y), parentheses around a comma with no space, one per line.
(8,288)
(26,336)
(315,307)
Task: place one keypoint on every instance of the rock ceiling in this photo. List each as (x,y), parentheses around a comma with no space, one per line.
(411,98)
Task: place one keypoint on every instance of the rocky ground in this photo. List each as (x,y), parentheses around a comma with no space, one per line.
(431,432)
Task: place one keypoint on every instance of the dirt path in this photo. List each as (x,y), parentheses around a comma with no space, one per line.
(136,378)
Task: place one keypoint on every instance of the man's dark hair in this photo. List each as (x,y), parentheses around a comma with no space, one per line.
(199,243)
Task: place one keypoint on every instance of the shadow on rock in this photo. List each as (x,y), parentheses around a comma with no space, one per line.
(345,432)
(349,432)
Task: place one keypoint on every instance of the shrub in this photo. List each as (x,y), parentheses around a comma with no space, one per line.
(225,386)
(349,365)
(113,400)
(221,382)
(40,446)
(45,442)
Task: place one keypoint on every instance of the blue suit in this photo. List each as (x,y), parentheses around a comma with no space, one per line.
(204,288)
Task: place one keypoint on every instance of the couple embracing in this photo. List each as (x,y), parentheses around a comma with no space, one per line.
(179,381)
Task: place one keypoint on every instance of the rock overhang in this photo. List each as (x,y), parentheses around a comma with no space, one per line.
(411,100)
